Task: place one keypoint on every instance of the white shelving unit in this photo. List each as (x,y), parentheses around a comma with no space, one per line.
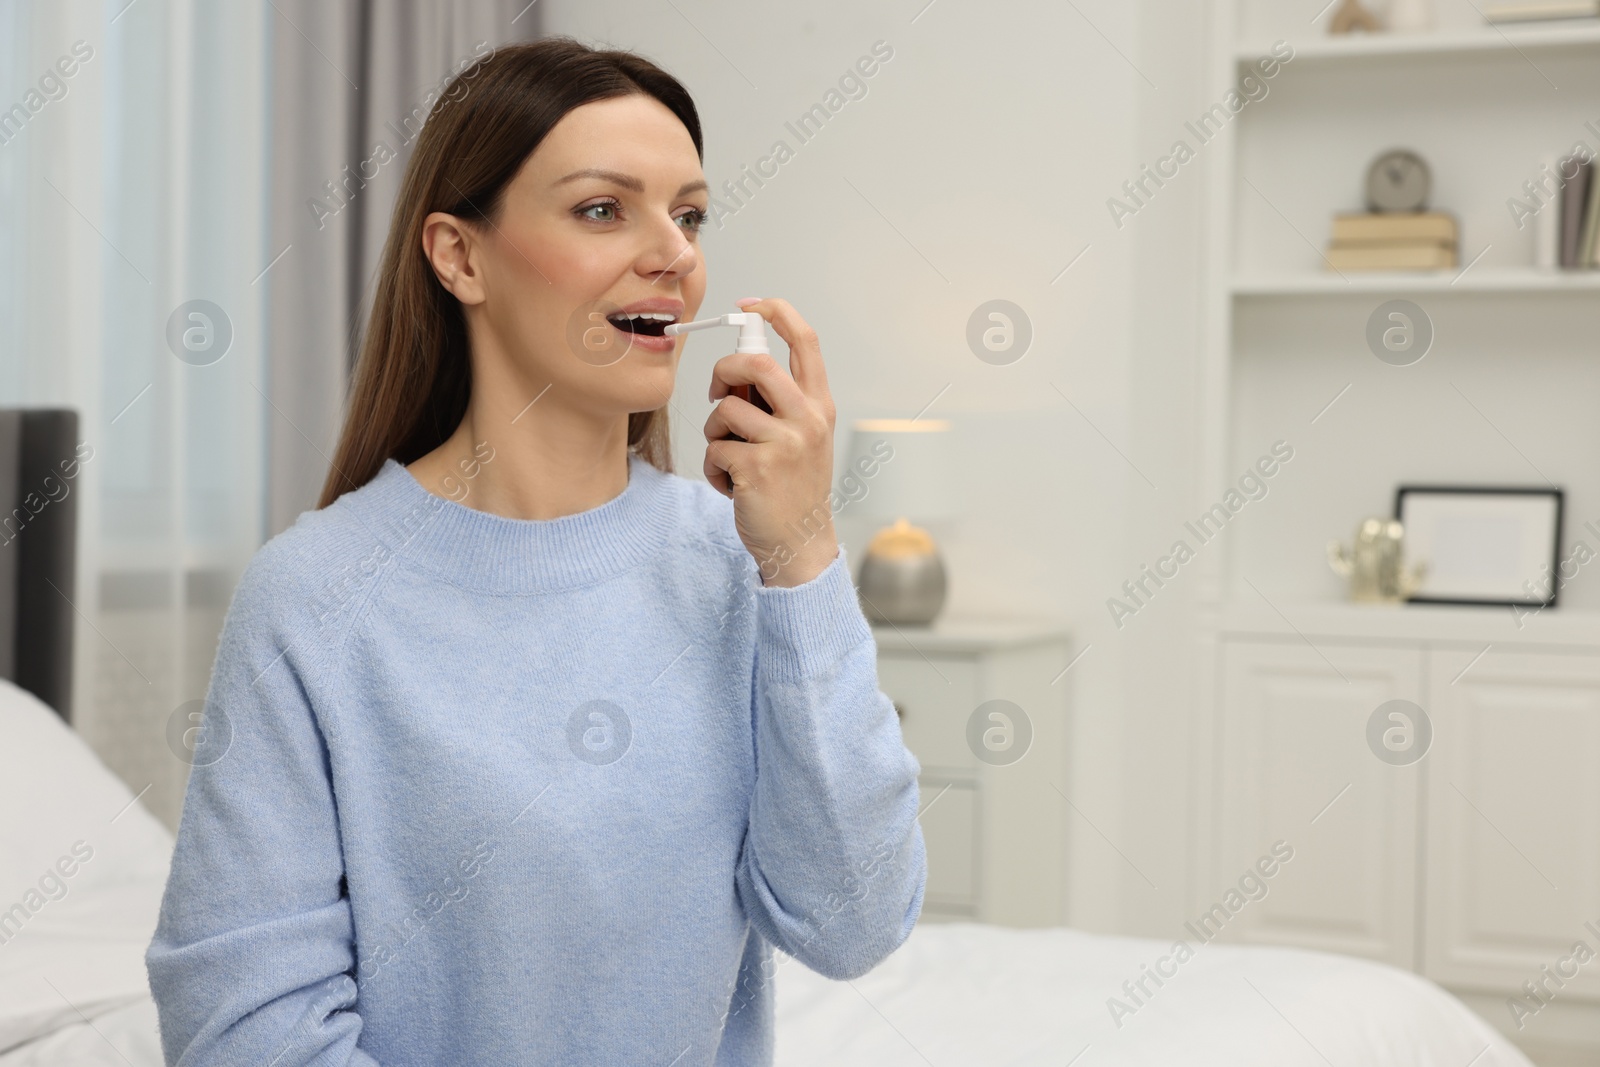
(1457,282)
(1533,37)
(1508,394)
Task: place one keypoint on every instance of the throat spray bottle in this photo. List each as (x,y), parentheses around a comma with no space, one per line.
(752,339)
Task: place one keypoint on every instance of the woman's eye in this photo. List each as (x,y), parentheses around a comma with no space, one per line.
(691,220)
(604,205)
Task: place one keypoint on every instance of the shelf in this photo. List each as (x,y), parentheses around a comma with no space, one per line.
(1345,622)
(1509,39)
(968,635)
(1356,283)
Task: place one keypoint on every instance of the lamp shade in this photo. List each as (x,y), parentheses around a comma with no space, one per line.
(910,477)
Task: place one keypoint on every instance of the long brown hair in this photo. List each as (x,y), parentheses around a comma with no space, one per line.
(414,376)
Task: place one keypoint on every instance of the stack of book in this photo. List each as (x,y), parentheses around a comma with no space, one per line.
(1421,240)
(1532,10)
(1580,216)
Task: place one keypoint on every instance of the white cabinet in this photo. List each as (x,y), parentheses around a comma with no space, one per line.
(995,827)
(1513,818)
(1478,865)
(1295,767)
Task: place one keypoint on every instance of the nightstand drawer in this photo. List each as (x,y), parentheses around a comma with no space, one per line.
(950,830)
(996,833)
(935,700)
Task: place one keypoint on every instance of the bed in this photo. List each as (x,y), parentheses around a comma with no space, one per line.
(83,865)
(73,988)
(82,869)
(38,537)
(966,993)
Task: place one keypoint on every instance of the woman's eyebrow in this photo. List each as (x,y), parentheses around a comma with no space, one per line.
(627,181)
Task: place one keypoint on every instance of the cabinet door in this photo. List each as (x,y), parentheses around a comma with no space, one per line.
(934,699)
(1295,766)
(950,830)
(1513,818)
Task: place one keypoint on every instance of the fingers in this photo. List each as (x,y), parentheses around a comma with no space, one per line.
(805,353)
(726,465)
(737,415)
(746,368)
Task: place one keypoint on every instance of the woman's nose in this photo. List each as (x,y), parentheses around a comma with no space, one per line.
(674,254)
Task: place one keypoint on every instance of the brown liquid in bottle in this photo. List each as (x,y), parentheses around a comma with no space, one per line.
(753,395)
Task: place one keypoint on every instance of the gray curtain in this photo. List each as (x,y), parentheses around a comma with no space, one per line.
(346,76)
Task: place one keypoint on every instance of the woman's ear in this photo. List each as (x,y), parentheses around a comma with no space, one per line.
(451,248)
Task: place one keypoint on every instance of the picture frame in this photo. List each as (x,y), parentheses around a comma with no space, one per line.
(1489,546)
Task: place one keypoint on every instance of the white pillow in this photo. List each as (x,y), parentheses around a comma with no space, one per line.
(79,892)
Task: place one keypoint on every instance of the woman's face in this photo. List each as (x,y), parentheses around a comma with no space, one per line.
(603,217)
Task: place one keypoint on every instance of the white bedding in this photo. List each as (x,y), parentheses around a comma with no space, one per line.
(82,869)
(965,993)
(121,1037)
(73,989)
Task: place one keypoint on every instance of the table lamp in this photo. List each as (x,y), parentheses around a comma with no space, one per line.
(902,577)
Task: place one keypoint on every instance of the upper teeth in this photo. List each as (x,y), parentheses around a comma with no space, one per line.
(661,315)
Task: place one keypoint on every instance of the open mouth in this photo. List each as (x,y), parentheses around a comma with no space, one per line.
(647,323)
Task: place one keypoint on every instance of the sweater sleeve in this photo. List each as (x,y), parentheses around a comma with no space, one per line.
(253,958)
(833,866)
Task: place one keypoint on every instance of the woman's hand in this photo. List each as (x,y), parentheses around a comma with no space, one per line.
(780,475)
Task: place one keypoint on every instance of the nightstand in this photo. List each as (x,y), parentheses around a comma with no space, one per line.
(994,822)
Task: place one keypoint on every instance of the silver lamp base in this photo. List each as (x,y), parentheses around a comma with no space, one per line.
(902,577)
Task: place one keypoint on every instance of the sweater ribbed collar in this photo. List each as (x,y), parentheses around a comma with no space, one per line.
(493,554)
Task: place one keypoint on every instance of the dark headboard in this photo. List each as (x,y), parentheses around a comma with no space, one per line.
(38,550)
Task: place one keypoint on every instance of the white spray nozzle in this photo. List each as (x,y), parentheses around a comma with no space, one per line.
(752,330)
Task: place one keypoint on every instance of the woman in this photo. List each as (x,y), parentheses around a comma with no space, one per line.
(522,749)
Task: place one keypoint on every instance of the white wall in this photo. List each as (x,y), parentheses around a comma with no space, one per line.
(1163,661)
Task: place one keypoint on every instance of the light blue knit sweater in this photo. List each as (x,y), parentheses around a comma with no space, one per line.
(483,791)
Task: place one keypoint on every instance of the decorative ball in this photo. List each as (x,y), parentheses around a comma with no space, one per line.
(902,578)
